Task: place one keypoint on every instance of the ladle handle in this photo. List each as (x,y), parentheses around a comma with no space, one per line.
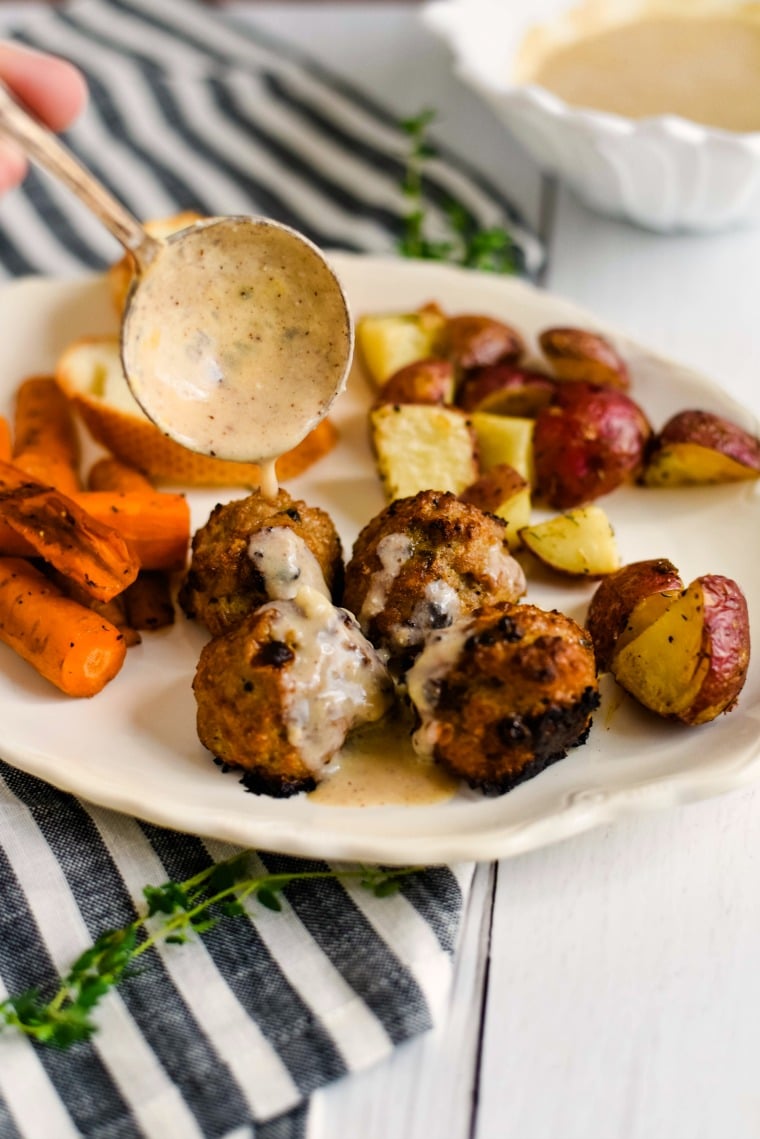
(46,150)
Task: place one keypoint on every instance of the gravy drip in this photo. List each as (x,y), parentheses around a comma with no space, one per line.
(703,68)
(237,340)
(335,682)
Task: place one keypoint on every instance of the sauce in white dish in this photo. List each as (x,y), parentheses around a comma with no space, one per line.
(704,67)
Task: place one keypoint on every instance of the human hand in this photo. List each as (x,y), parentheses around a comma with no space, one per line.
(51,87)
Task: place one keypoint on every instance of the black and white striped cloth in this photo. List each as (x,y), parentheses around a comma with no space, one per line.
(230,1035)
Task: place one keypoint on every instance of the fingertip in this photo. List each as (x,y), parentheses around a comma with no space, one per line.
(51,87)
(13,168)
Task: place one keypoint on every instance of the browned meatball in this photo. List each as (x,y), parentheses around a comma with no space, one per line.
(224,582)
(422,564)
(504,694)
(277,695)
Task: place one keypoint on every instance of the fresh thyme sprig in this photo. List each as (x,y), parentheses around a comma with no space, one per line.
(174,912)
(466,244)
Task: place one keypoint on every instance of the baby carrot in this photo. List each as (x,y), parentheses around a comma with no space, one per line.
(109,473)
(92,554)
(5,439)
(71,646)
(46,444)
(156,526)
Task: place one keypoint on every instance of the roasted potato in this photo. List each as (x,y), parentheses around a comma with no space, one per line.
(475,341)
(627,601)
(504,492)
(699,447)
(504,439)
(422,447)
(425,381)
(576,354)
(387,342)
(580,543)
(690,663)
(587,442)
(504,389)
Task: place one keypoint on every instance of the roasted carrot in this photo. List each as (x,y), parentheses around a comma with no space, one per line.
(109,473)
(71,646)
(114,610)
(59,530)
(46,444)
(148,600)
(156,526)
(5,440)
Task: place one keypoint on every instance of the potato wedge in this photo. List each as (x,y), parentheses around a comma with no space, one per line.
(422,447)
(387,342)
(425,381)
(699,448)
(627,601)
(504,439)
(504,389)
(580,543)
(690,664)
(474,341)
(577,354)
(504,492)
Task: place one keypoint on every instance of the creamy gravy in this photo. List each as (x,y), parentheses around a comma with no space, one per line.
(237,340)
(335,681)
(705,68)
(378,767)
(285,563)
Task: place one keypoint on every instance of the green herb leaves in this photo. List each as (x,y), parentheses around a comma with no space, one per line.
(491,250)
(174,912)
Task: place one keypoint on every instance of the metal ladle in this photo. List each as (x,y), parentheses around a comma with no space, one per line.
(236,336)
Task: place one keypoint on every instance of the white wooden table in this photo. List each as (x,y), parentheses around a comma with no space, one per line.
(609,986)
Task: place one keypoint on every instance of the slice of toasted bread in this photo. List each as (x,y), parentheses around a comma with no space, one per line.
(91,375)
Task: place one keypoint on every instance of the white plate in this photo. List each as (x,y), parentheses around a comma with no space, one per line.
(134,748)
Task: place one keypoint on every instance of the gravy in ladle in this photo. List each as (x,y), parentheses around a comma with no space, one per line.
(238,339)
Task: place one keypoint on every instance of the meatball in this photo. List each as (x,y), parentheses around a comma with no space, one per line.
(421,565)
(225,582)
(278,694)
(503,694)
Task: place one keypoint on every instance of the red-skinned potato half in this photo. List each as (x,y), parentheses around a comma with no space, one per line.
(475,341)
(689,662)
(425,381)
(698,448)
(589,440)
(629,600)
(505,389)
(576,354)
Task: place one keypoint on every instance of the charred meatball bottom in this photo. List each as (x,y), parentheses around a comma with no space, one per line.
(421,565)
(278,694)
(503,694)
(226,581)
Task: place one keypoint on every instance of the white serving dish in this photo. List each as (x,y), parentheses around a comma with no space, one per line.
(664,173)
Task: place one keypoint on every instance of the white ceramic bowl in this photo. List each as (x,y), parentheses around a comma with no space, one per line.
(663,173)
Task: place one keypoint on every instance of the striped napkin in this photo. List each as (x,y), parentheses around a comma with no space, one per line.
(228,1035)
